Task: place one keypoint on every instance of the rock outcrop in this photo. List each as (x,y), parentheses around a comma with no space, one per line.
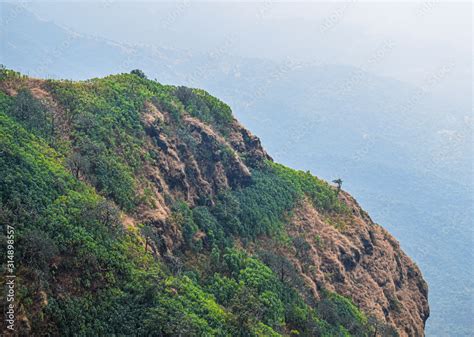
(194,164)
(361,261)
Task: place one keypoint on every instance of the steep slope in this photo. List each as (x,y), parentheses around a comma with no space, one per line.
(361,261)
(150,210)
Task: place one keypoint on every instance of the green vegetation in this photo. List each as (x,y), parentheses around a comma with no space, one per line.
(106,133)
(33,115)
(78,241)
(262,207)
(207,108)
(70,174)
(275,192)
(255,293)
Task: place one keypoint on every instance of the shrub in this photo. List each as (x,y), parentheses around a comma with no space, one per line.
(139,73)
(33,114)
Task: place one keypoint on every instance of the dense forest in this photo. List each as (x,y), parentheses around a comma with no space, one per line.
(143,209)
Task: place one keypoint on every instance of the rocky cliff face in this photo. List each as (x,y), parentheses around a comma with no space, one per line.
(193,164)
(196,158)
(360,260)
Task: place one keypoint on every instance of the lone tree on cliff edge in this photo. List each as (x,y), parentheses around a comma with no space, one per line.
(338,181)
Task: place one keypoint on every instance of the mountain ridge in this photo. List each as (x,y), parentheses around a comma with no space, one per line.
(155,201)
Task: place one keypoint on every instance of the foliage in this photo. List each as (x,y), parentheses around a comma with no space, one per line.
(207,222)
(261,208)
(66,201)
(255,293)
(106,131)
(139,73)
(5,102)
(110,282)
(337,309)
(33,114)
(183,218)
(206,107)
(304,183)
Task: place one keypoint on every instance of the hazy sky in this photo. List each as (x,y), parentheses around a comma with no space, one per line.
(412,41)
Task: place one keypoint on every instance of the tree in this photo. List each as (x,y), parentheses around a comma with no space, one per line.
(226,210)
(283,267)
(108,214)
(33,114)
(338,310)
(185,94)
(338,181)
(153,239)
(247,307)
(78,164)
(37,249)
(139,73)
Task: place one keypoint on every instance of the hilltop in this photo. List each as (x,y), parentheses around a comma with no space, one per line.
(148,209)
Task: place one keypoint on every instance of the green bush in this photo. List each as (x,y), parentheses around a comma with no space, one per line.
(336,309)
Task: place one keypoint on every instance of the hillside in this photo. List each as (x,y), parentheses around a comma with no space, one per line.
(146,209)
(406,152)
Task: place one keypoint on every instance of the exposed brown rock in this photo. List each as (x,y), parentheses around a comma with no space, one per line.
(192,164)
(363,262)
(243,141)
